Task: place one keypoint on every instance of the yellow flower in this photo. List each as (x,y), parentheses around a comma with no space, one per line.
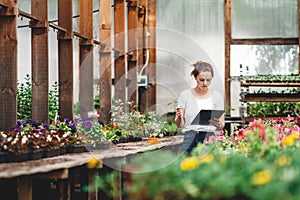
(93,163)
(289,140)
(284,160)
(262,177)
(207,158)
(189,163)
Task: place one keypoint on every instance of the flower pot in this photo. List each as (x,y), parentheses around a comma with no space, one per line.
(37,154)
(73,148)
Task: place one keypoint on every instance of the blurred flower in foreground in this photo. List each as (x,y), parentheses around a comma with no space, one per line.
(93,163)
(284,160)
(262,177)
(189,163)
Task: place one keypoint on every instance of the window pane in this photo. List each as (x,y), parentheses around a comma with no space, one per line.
(264,18)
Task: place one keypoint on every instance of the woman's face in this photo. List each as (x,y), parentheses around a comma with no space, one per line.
(203,80)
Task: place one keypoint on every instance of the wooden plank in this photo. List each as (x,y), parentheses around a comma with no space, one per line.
(265,41)
(273,84)
(25,188)
(132,57)
(65,59)
(228,35)
(8,68)
(67,161)
(40,61)
(86,94)
(105,82)
(57,174)
(119,43)
(270,99)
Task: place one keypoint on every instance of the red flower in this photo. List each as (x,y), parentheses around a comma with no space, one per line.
(241,134)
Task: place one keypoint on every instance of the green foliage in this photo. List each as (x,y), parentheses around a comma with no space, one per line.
(274,109)
(53,102)
(267,169)
(25,97)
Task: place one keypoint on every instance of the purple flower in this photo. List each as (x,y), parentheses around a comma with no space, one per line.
(47,127)
(17,128)
(118,133)
(66,120)
(73,128)
(87,124)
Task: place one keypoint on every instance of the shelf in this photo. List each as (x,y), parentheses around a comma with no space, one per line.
(270,99)
(271,84)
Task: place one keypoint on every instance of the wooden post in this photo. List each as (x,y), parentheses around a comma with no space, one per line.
(299,36)
(105,82)
(65,59)
(86,95)
(148,96)
(25,188)
(228,29)
(119,40)
(93,185)
(132,50)
(142,48)
(40,61)
(8,64)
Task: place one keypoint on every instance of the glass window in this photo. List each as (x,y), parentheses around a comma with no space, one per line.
(264,18)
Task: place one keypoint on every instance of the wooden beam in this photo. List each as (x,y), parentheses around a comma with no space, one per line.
(105,82)
(57,174)
(298,36)
(228,32)
(265,41)
(132,21)
(86,94)
(9,69)
(151,42)
(142,48)
(65,59)
(40,61)
(119,43)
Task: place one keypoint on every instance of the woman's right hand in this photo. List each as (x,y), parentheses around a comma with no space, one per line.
(179,118)
(179,112)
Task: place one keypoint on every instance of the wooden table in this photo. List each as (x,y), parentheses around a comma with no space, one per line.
(22,175)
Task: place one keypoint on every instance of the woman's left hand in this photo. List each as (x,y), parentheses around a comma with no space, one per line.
(219,124)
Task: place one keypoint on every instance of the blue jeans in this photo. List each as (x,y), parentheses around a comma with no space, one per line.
(191,140)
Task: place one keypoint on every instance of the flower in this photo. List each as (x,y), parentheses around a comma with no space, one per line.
(93,163)
(206,159)
(189,163)
(288,141)
(283,161)
(261,177)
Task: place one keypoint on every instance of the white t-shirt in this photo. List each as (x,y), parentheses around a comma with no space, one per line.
(193,105)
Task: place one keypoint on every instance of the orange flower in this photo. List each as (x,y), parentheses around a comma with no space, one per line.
(104,128)
(153,140)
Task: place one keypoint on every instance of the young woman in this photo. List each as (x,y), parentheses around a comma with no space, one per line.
(191,101)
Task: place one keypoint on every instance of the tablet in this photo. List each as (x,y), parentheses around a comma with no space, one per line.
(204,115)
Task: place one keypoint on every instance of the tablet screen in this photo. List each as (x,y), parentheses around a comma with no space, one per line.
(204,115)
